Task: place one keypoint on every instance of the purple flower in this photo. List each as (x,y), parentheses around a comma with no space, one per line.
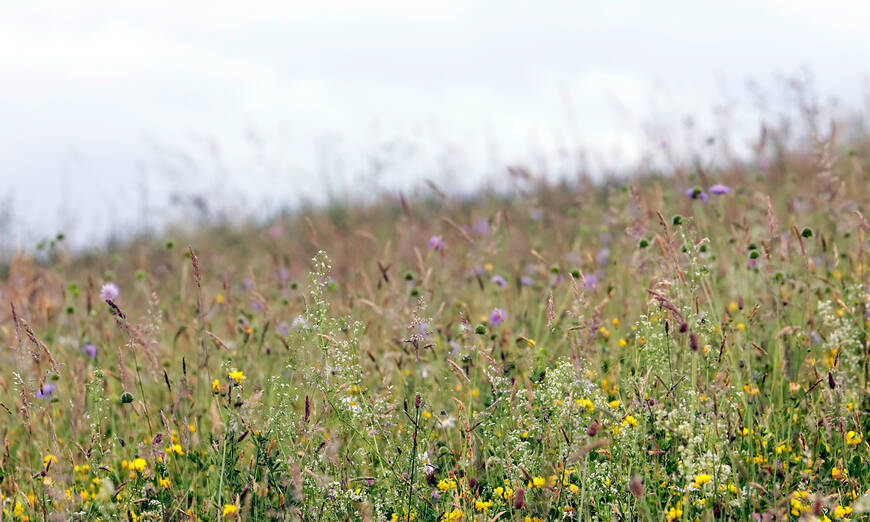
(719,189)
(256,305)
(527,281)
(499,280)
(436,243)
(603,256)
(90,350)
(696,193)
(497,315)
(422,329)
(109,292)
(45,390)
(590,281)
(283,328)
(481,227)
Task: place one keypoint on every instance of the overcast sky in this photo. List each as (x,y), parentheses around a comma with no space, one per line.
(109,107)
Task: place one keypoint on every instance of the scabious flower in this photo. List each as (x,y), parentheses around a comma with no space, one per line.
(696,193)
(90,350)
(45,390)
(499,280)
(497,316)
(590,281)
(719,189)
(528,281)
(436,243)
(110,292)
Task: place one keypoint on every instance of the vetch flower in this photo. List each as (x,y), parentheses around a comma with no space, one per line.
(110,292)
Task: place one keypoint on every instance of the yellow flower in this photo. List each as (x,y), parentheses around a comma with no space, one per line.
(531,343)
(842,512)
(481,505)
(838,473)
(49,459)
(630,421)
(164,482)
(215,385)
(538,482)
(852,438)
(191,428)
(237,376)
(622,343)
(614,404)
(219,299)
(702,479)
(175,448)
(452,516)
(230,510)
(740,326)
(139,464)
(674,513)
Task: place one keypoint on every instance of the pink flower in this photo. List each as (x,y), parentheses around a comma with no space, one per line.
(110,292)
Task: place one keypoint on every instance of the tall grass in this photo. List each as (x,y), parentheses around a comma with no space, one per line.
(580,352)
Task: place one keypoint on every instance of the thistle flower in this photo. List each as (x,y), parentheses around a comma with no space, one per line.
(719,189)
(110,292)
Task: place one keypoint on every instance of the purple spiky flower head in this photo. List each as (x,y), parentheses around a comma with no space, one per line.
(110,292)
(497,316)
(527,281)
(696,193)
(499,280)
(436,243)
(719,189)
(90,350)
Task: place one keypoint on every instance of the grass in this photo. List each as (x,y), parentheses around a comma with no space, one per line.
(581,351)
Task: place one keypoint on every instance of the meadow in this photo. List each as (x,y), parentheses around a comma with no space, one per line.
(686,345)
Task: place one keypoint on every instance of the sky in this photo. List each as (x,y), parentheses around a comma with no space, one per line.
(111,112)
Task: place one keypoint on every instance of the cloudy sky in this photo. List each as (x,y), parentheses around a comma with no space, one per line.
(108,109)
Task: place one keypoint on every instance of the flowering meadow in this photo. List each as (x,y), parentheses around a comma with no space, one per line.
(682,347)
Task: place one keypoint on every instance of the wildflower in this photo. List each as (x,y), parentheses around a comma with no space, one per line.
(702,479)
(175,448)
(497,315)
(90,350)
(481,505)
(215,386)
(164,482)
(852,438)
(538,482)
(696,193)
(630,421)
(139,464)
(719,189)
(48,460)
(230,510)
(839,473)
(526,281)
(614,404)
(237,376)
(499,280)
(674,513)
(452,516)
(45,390)
(794,387)
(436,243)
(110,292)
(842,512)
